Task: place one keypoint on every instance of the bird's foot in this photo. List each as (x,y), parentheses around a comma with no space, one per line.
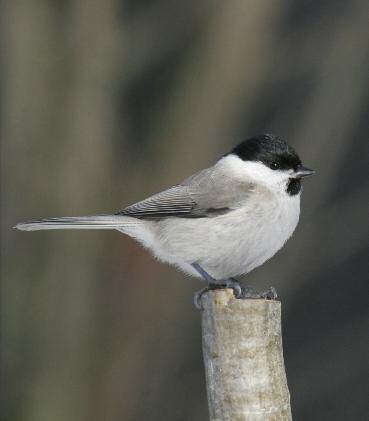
(249,292)
(198,296)
(239,291)
(213,284)
(235,285)
(228,283)
(269,294)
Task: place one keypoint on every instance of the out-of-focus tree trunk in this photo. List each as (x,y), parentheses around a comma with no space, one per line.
(58,80)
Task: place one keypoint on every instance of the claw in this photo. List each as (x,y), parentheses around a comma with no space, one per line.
(229,283)
(238,291)
(197,297)
(248,292)
(235,285)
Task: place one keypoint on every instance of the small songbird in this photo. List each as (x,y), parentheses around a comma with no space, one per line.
(219,223)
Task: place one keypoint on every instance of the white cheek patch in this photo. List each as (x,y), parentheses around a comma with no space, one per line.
(255,171)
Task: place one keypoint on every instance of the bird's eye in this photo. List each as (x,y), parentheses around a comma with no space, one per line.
(274,165)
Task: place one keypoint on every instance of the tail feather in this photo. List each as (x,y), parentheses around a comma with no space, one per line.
(78,222)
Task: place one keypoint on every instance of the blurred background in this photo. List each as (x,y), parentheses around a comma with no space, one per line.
(107,102)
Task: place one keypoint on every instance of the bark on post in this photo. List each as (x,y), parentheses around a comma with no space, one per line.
(242,347)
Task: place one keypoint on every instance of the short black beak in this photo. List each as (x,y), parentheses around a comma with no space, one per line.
(302,171)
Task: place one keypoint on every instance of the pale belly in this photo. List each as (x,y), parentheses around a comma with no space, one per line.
(228,245)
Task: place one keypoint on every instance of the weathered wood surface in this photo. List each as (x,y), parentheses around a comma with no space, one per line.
(242,347)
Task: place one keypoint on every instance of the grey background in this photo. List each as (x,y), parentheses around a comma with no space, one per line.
(106,102)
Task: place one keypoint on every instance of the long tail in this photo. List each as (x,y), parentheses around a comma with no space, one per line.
(79,222)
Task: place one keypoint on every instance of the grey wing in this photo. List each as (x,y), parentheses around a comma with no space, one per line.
(205,194)
(175,201)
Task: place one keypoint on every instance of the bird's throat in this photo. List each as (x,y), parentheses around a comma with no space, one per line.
(293,186)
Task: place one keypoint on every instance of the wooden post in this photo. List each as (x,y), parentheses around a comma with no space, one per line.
(242,347)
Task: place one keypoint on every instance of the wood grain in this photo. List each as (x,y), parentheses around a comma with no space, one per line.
(242,348)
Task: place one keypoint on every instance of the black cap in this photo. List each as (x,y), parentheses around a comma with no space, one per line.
(271,150)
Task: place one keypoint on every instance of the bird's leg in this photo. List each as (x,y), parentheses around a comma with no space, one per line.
(249,292)
(208,278)
(214,284)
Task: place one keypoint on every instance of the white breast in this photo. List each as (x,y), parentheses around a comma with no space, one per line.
(231,244)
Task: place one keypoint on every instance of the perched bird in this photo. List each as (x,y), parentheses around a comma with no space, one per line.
(219,223)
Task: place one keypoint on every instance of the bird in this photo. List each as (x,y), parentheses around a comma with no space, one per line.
(221,222)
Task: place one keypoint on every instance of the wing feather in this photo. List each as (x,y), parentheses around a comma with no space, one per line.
(175,201)
(208,193)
